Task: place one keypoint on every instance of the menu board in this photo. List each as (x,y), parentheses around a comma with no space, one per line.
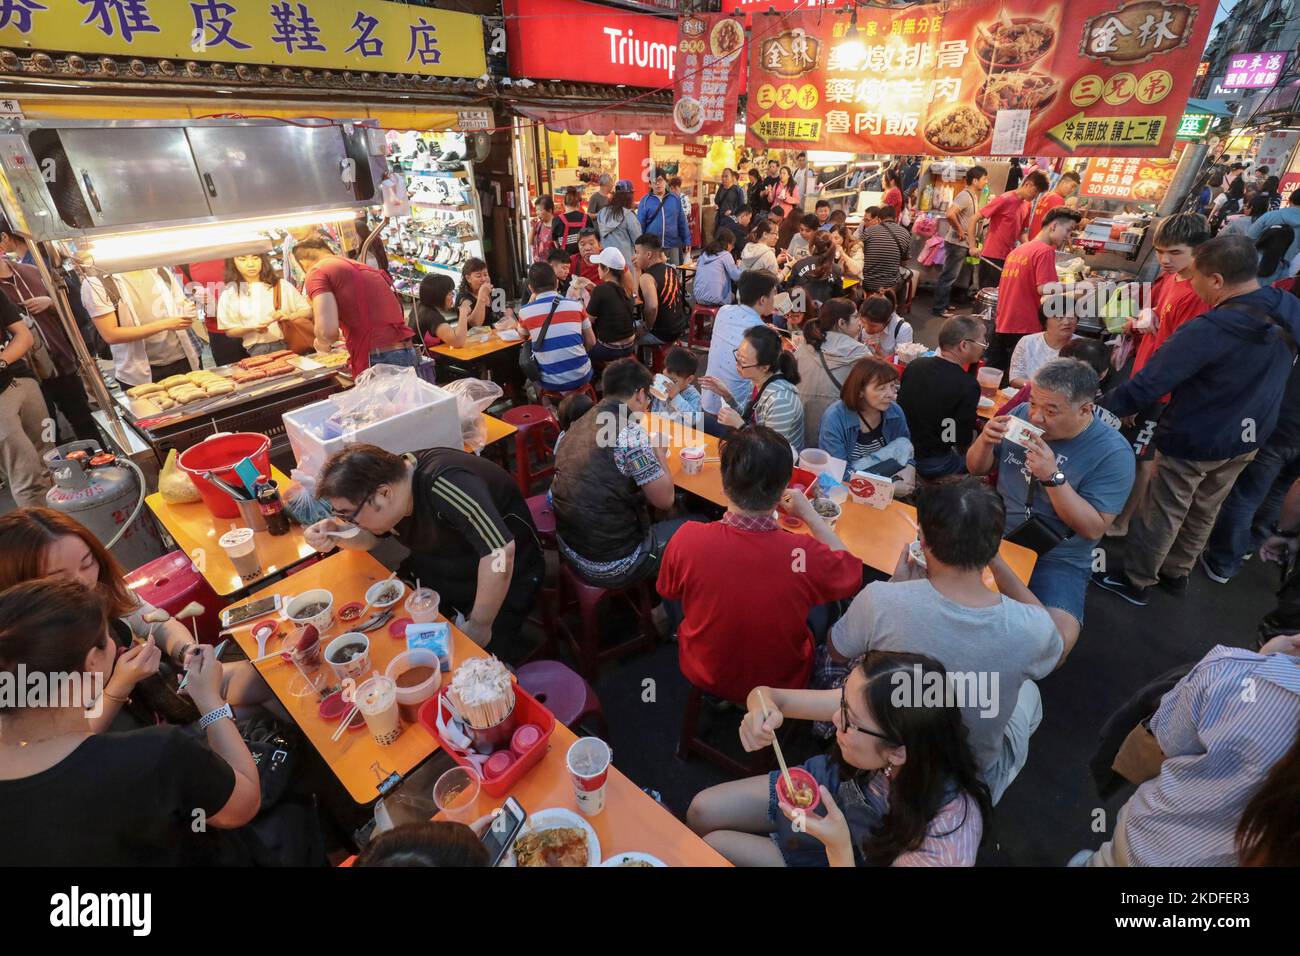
(710,63)
(1073,78)
(1129,178)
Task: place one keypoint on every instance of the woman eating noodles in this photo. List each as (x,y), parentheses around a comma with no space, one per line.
(435,311)
(474,296)
(774,374)
(867,428)
(138,795)
(832,343)
(41,542)
(256,301)
(899,789)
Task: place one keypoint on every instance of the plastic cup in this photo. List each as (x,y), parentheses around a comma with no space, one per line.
(693,460)
(422,606)
(456,792)
(990,379)
(377,701)
(814,460)
(838,494)
(241,548)
(588,761)
(660,386)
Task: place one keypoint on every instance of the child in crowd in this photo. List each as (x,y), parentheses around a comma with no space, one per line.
(561,264)
(884,328)
(566,413)
(681,367)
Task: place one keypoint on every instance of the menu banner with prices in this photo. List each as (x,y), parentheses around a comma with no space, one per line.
(1131,179)
(365,35)
(710,70)
(1075,77)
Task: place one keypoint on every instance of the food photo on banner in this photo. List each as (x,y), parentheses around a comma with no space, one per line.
(1077,78)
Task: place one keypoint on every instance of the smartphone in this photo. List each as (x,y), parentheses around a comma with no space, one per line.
(501,832)
(232,616)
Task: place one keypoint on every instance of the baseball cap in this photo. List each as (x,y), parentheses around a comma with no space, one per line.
(623,186)
(610,258)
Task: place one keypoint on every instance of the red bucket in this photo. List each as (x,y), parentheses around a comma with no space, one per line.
(219,455)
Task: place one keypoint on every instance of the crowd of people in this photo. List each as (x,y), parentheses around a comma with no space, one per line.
(1187,459)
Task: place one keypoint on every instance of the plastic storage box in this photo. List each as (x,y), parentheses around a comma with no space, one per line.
(432,425)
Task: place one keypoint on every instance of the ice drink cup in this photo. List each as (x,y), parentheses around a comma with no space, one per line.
(377,701)
(989,379)
(588,761)
(241,548)
(693,460)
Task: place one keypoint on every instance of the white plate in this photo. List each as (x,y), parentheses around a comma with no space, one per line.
(549,820)
(1010,391)
(618,859)
(508,335)
(986,402)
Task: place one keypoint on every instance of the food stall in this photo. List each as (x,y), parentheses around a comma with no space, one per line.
(214,189)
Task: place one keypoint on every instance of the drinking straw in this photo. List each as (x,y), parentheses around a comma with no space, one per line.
(776,746)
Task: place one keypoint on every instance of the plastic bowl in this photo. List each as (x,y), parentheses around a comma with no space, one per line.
(799,776)
(378,588)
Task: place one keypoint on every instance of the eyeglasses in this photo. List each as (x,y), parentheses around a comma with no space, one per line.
(977,342)
(850,725)
(351,518)
(736,354)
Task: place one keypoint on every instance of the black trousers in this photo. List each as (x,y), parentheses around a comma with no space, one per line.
(66,395)
(999,353)
(989,275)
(226,349)
(159,372)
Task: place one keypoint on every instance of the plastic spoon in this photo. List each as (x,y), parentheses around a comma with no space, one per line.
(349,532)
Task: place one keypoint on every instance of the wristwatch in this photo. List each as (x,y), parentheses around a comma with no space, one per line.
(212,716)
(1055,481)
(3,365)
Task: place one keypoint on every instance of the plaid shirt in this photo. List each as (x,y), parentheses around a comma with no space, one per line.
(747,523)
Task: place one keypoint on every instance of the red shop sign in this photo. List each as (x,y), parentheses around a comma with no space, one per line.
(588,43)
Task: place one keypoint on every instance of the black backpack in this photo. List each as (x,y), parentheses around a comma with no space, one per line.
(1272,246)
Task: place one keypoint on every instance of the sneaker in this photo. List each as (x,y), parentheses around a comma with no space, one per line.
(1175,586)
(1119,584)
(1081,858)
(1210,572)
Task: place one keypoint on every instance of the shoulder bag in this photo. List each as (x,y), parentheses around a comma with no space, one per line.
(528,363)
(1034,533)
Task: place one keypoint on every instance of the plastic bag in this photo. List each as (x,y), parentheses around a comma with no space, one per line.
(380,392)
(301,502)
(932,254)
(474,396)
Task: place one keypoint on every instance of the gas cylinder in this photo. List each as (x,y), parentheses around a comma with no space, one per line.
(91,486)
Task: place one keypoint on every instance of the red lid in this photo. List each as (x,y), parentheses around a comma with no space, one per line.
(498,763)
(397,628)
(333,707)
(525,739)
(103,458)
(789,522)
(352,611)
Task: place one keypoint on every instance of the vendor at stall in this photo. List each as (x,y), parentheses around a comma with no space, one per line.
(145,319)
(256,303)
(357,302)
(468,528)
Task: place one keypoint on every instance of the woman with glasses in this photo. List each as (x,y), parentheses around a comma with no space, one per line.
(899,789)
(867,429)
(773,373)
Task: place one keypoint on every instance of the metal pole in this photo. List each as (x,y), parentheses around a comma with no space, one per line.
(1187,175)
(86,365)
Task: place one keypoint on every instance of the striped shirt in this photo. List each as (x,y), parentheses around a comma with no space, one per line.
(951,839)
(1222,728)
(780,409)
(884,248)
(563,356)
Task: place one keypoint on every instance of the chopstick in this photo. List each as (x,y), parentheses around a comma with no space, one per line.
(776,746)
(343,724)
(216,656)
(369,604)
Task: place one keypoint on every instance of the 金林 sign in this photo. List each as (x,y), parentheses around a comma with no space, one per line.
(365,35)
(588,43)
(1079,77)
(1253,71)
(1130,179)
(710,63)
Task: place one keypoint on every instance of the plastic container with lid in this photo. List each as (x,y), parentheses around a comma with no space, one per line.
(498,764)
(422,605)
(410,698)
(693,460)
(525,738)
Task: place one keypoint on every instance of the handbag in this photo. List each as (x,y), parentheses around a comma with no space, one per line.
(299,334)
(1034,533)
(528,363)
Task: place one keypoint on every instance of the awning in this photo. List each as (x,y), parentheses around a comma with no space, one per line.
(1207,106)
(599,120)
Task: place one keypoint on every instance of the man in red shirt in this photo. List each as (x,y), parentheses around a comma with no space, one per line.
(1028,275)
(1175,303)
(1065,188)
(581,266)
(1006,216)
(727,646)
(358,300)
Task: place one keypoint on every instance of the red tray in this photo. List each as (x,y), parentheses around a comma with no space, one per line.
(527,711)
(802,476)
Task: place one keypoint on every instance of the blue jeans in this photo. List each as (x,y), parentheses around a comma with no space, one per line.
(1061,585)
(954,259)
(941,466)
(407,356)
(1252,506)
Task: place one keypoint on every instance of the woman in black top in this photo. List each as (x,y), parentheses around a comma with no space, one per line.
(816,273)
(729,200)
(69,797)
(613,316)
(434,315)
(758,203)
(477,301)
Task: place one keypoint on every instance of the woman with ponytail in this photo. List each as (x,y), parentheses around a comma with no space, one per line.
(762,361)
(832,343)
(817,273)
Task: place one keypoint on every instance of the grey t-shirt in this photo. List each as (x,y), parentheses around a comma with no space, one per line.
(1011,641)
(965,204)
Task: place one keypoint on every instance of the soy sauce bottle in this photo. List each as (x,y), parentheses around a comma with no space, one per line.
(272,508)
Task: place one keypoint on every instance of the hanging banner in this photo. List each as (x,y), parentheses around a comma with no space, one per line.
(1130,179)
(366,35)
(710,69)
(1275,148)
(1254,71)
(589,43)
(1076,78)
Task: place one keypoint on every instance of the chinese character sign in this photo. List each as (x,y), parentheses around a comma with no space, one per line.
(1130,179)
(362,35)
(710,63)
(1079,77)
(1254,70)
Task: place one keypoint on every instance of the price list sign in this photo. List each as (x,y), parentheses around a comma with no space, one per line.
(710,63)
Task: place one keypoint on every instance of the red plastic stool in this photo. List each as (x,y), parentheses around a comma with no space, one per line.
(653,357)
(573,591)
(553,399)
(691,743)
(700,331)
(536,434)
(544,519)
(170,583)
(565,694)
